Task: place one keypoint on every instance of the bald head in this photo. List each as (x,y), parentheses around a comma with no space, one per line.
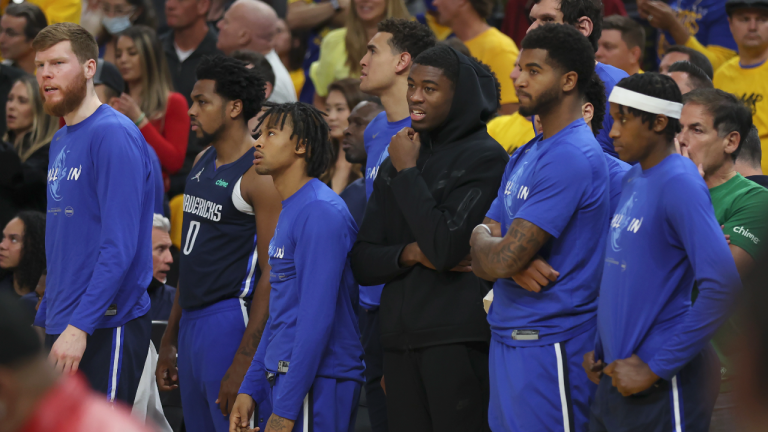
(247,25)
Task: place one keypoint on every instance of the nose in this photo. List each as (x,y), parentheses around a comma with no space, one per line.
(533,26)
(614,133)
(416,96)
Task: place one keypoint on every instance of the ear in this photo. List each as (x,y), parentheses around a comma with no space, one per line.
(588,112)
(113,102)
(244,37)
(731,142)
(404,62)
(203,6)
(635,54)
(235,108)
(89,68)
(585,26)
(660,123)
(570,81)
(301,148)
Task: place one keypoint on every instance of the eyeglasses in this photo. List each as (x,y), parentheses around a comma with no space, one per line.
(117,10)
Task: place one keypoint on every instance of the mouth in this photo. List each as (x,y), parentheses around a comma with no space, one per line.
(363,74)
(50,90)
(417,114)
(345,145)
(9,118)
(364,9)
(521,94)
(194,127)
(257,157)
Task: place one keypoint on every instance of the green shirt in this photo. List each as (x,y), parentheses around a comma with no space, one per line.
(740,205)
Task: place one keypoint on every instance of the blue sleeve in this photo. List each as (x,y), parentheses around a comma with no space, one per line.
(692,218)
(560,182)
(157,175)
(40,315)
(718,31)
(122,171)
(322,245)
(255,381)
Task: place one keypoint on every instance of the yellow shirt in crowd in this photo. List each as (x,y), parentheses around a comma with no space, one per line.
(499,52)
(332,64)
(751,85)
(298,78)
(511,131)
(55,10)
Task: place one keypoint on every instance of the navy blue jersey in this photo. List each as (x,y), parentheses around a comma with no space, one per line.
(218,245)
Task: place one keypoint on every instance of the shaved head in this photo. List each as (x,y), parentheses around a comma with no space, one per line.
(247,25)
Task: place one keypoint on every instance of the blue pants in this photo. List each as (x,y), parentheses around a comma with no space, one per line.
(208,340)
(114,358)
(374,369)
(541,388)
(330,405)
(684,403)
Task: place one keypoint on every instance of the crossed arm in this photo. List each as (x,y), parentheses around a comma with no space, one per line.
(505,257)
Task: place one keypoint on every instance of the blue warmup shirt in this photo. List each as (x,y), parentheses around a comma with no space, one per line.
(98,231)
(312,324)
(560,185)
(616,170)
(157,175)
(662,239)
(218,243)
(378,134)
(610,76)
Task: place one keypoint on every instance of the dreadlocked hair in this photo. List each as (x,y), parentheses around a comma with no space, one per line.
(309,127)
(595,94)
(658,86)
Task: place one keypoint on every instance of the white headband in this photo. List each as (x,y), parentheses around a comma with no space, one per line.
(645,103)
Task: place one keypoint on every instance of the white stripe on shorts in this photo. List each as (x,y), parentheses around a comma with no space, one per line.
(561,384)
(115,363)
(676,402)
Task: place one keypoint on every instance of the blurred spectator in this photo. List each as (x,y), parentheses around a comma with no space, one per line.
(621,44)
(35,398)
(431,19)
(117,16)
(58,10)
(22,256)
(748,160)
(688,76)
(161,295)
(20,24)
(251,25)
(677,53)
(342,49)
(459,46)
(467,19)
(8,76)
(40,289)
(260,63)
(697,24)
(746,76)
(343,95)
(90,19)
(160,114)
(513,130)
(291,47)
(29,134)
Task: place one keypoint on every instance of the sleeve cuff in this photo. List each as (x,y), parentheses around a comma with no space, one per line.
(663,373)
(88,328)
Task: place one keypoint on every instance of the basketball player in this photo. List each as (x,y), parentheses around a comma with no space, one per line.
(310,352)
(223,261)
(98,236)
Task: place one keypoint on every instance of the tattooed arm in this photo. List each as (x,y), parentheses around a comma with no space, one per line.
(506,256)
(279,424)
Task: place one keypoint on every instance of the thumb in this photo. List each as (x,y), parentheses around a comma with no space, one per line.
(416,136)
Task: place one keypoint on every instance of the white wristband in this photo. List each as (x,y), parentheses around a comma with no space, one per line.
(487,227)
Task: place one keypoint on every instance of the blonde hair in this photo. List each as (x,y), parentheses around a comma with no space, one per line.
(43,125)
(155,77)
(356,40)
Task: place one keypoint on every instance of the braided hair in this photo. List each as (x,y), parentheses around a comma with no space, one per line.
(658,86)
(309,127)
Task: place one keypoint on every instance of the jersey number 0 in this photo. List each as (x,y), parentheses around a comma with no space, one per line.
(194,228)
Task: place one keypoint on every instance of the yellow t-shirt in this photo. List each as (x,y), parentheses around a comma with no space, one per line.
(511,131)
(751,85)
(441,32)
(56,10)
(332,64)
(499,52)
(298,78)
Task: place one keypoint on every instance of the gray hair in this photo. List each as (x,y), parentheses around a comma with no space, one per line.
(162,222)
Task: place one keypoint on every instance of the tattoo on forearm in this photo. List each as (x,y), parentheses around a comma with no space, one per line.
(278,424)
(518,247)
(250,346)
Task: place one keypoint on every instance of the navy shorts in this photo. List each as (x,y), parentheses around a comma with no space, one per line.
(114,358)
(684,403)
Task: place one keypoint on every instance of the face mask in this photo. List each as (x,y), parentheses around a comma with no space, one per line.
(116,25)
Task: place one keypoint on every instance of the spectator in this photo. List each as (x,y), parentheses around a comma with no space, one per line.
(748,159)
(251,25)
(118,16)
(459,46)
(22,256)
(467,19)
(91,17)
(746,76)
(37,399)
(290,47)
(677,53)
(160,114)
(342,49)
(20,24)
(261,64)
(691,23)
(514,130)
(40,289)
(30,131)
(714,123)
(8,76)
(431,19)
(621,44)
(58,11)
(688,76)
(161,295)
(343,95)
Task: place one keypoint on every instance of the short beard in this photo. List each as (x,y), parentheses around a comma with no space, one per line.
(542,103)
(209,138)
(74,95)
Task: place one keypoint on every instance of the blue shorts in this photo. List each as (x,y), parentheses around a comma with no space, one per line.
(541,388)
(330,405)
(208,340)
(684,403)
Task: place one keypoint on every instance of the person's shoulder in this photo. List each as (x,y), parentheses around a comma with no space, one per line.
(378,122)
(728,69)
(498,43)
(750,193)
(616,164)
(324,205)
(609,74)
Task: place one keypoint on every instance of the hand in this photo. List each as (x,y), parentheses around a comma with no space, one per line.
(230,385)
(727,236)
(240,418)
(683,151)
(538,274)
(279,424)
(129,107)
(404,149)
(495,229)
(631,375)
(166,373)
(662,16)
(68,350)
(343,5)
(383,386)
(464,266)
(594,369)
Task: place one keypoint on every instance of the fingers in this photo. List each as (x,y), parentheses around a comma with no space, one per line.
(234,422)
(546,270)
(677,146)
(597,366)
(222,402)
(526,282)
(462,269)
(540,279)
(609,369)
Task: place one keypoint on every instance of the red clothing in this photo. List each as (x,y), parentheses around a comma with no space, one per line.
(168,135)
(70,406)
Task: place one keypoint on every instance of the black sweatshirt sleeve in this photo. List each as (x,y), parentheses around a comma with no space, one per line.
(443,231)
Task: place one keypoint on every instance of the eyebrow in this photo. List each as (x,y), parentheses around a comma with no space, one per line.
(536,65)
(371,46)
(430,82)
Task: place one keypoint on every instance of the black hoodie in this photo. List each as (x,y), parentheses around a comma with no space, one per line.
(438,204)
